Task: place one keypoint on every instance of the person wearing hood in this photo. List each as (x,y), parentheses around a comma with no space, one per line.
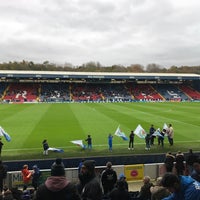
(35,176)
(181,187)
(90,187)
(57,186)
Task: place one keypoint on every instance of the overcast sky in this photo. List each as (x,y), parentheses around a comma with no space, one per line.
(165,32)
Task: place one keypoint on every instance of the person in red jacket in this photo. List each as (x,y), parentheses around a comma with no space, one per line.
(26,175)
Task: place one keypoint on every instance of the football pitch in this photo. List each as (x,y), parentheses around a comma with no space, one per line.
(60,123)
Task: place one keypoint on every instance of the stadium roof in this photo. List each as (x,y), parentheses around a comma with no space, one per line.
(62,75)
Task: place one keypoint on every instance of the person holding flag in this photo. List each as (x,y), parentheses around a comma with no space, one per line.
(131,141)
(161,137)
(151,132)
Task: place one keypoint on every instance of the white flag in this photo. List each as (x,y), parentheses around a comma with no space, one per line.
(140,132)
(79,143)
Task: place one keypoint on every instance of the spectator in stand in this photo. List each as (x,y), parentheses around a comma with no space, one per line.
(57,186)
(17,193)
(108,178)
(26,194)
(26,175)
(119,192)
(3,174)
(169,162)
(80,165)
(123,178)
(196,172)
(181,187)
(190,160)
(45,147)
(110,139)
(131,141)
(35,176)
(180,165)
(151,132)
(89,142)
(91,188)
(170,133)
(145,193)
(158,192)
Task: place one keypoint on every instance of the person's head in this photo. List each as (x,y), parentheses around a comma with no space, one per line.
(25,166)
(122,177)
(109,165)
(158,180)
(146,179)
(44,141)
(88,167)
(164,130)
(196,167)
(170,125)
(89,136)
(58,168)
(171,182)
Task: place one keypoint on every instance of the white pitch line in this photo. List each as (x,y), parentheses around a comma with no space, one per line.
(100,145)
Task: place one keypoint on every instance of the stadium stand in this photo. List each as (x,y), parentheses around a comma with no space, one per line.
(144,92)
(170,92)
(50,86)
(190,92)
(52,92)
(21,92)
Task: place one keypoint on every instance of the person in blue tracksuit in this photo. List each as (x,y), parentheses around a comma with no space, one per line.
(181,187)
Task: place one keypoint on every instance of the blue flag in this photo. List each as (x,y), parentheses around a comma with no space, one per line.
(6,135)
(119,133)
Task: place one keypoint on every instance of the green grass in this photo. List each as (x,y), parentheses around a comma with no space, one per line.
(29,124)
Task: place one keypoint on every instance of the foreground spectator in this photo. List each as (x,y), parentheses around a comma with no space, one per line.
(190,160)
(35,176)
(196,172)
(3,174)
(26,175)
(122,177)
(179,165)
(158,192)
(91,189)
(108,178)
(119,192)
(145,193)
(181,187)
(169,162)
(57,186)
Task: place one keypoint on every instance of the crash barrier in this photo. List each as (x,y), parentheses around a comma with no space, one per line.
(134,172)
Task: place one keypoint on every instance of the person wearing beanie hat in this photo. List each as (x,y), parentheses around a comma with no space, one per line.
(57,186)
(89,186)
(108,178)
(58,168)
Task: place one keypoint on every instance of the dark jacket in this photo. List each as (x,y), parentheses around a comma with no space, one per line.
(120,192)
(108,179)
(57,187)
(92,190)
(145,193)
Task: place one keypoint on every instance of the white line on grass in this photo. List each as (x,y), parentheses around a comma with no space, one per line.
(99,145)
